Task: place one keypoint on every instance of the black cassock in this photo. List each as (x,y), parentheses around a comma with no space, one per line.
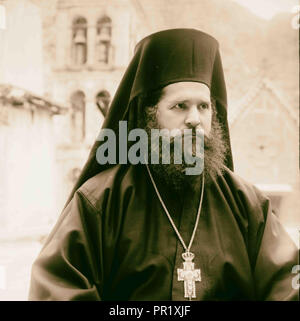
(114,242)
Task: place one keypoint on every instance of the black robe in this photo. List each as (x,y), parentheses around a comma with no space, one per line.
(114,242)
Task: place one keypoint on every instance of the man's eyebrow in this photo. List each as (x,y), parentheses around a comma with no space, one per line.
(186,99)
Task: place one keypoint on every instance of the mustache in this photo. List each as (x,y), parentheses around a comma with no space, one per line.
(194,135)
(187,132)
(171,143)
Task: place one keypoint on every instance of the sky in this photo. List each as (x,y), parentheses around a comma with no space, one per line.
(266,9)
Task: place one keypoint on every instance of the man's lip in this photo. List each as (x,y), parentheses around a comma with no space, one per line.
(190,135)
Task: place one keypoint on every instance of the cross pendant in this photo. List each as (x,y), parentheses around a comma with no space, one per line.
(189,275)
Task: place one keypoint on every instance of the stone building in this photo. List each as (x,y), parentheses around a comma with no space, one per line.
(88,44)
(265,139)
(27,142)
(91,45)
(21,51)
(27,163)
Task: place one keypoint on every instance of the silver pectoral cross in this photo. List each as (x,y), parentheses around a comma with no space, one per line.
(189,275)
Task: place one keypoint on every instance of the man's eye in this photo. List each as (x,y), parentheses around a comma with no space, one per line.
(204,106)
(180,106)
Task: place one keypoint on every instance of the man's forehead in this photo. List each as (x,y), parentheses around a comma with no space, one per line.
(186,90)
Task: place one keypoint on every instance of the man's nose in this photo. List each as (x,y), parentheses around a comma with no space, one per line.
(193,117)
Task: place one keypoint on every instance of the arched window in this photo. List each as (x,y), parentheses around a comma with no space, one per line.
(78,116)
(79,41)
(103,101)
(103,42)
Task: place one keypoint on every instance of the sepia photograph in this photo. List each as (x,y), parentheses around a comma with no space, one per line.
(149,151)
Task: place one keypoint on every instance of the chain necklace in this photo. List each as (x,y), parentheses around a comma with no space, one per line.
(188,274)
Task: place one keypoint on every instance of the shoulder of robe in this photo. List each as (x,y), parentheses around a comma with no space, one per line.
(118,177)
(247,193)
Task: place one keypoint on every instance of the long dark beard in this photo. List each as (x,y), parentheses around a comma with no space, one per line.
(174,174)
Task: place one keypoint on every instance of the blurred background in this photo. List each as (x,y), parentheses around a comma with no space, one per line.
(60,64)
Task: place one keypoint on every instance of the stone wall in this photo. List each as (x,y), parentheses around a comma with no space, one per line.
(28,172)
(21,62)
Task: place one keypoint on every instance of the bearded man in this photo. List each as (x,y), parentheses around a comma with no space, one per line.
(151,232)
